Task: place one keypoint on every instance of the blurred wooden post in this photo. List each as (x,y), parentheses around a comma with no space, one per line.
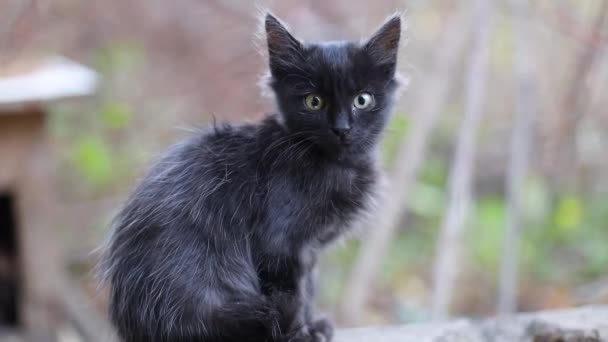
(461,174)
(561,156)
(22,137)
(38,245)
(25,174)
(521,138)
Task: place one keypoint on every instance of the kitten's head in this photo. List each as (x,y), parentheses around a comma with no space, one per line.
(336,94)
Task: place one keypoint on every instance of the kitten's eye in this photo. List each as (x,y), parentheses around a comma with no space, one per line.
(313,102)
(364,101)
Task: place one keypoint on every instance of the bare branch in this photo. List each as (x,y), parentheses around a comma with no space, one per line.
(560,145)
(521,138)
(8,19)
(461,175)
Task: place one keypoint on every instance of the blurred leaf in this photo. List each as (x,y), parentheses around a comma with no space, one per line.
(591,238)
(568,214)
(406,251)
(119,56)
(502,43)
(491,212)
(116,115)
(335,268)
(536,201)
(486,237)
(92,158)
(427,200)
(596,255)
(435,172)
(397,130)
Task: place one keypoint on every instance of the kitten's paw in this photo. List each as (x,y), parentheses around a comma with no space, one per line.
(322,330)
(318,337)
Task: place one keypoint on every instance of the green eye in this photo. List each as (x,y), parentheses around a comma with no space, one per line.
(314,102)
(363,101)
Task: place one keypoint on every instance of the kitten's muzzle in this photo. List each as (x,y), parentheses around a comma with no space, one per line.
(340,125)
(342,132)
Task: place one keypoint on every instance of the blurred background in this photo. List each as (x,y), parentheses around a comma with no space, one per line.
(496,157)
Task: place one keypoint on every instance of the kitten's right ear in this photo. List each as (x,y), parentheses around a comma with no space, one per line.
(384,44)
(282,46)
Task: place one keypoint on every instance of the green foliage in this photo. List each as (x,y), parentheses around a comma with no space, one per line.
(335,267)
(591,237)
(502,43)
(535,201)
(118,57)
(397,130)
(428,195)
(573,231)
(99,148)
(595,255)
(427,200)
(412,248)
(486,236)
(93,159)
(115,115)
(435,172)
(568,215)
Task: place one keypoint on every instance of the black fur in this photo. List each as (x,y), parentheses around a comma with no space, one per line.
(219,241)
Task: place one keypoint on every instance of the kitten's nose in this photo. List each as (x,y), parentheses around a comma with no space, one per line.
(342,131)
(341,125)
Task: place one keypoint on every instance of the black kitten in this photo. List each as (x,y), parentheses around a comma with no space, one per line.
(219,241)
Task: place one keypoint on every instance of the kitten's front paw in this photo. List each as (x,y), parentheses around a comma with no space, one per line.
(322,330)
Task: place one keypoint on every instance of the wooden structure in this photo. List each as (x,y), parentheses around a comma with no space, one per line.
(30,262)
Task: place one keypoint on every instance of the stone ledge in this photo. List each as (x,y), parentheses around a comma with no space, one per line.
(586,324)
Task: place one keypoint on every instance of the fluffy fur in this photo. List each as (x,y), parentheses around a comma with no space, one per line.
(219,240)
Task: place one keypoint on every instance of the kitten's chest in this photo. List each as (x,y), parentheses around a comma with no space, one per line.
(334,195)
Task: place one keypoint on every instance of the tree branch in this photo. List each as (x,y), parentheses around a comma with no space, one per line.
(460,187)
(521,137)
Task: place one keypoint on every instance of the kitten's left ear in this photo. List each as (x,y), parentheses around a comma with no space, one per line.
(282,46)
(383,46)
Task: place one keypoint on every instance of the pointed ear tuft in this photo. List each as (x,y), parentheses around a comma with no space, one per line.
(383,46)
(278,38)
